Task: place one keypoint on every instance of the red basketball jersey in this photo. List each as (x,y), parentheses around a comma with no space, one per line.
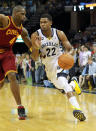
(8,35)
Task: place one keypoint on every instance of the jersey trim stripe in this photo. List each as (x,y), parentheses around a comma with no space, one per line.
(37,32)
(58,36)
(15,25)
(10,71)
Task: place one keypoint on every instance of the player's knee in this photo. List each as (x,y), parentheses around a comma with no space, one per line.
(11,76)
(1,84)
(69,94)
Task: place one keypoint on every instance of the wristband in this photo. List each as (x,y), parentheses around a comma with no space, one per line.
(30,49)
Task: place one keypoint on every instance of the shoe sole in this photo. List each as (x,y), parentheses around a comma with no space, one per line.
(22,118)
(79,115)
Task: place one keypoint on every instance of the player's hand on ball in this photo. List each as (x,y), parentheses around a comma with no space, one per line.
(37,43)
(66,61)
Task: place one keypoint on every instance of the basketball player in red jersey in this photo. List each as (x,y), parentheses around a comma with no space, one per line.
(10,28)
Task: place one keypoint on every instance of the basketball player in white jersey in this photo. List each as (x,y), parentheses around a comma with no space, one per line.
(48,44)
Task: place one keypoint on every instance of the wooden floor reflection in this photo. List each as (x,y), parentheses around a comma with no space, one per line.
(48,110)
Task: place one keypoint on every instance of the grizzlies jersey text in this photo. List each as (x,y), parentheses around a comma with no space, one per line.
(50,47)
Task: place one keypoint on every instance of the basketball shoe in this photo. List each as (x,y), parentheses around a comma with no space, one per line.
(77,86)
(79,115)
(21,113)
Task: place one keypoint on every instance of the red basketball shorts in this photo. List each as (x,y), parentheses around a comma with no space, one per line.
(7,64)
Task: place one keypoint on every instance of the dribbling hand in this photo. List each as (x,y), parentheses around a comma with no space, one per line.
(37,42)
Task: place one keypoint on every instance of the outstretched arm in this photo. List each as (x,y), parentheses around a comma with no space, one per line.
(3,20)
(36,44)
(2,17)
(26,38)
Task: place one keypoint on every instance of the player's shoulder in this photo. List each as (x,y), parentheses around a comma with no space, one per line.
(3,17)
(60,34)
(60,31)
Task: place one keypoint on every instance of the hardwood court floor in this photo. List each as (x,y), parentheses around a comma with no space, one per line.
(48,110)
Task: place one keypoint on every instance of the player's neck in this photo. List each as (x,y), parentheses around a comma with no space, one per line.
(47,33)
(16,22)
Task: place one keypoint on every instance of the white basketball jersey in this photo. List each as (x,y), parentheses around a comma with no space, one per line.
(50,47)
(52,50)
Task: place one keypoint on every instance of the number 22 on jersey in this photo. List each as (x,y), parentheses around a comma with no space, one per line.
(51,51)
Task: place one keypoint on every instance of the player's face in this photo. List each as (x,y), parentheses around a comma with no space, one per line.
(21,16)
(45,24)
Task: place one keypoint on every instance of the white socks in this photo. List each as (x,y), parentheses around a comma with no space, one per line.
(74,103)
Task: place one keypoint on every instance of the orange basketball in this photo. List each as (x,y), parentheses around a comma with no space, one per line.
(66,61)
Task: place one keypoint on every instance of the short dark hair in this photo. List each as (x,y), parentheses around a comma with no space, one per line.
(46,16)
(17,8)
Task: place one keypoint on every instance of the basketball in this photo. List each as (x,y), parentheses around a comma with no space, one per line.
(66,61)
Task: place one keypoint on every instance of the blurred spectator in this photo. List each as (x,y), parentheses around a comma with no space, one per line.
(32,7)
(33,71)
(94,53)
(23,2)
(89,74)
(24,64)
(83,57)
(28,66)
(29,2)
(5,8)
(20,73)
(13,4)
(39,71)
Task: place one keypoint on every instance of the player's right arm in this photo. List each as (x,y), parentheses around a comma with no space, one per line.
(36,44)
(3,20)
(2,17)
(66,44)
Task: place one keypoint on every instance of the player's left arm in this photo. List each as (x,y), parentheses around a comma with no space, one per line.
(26,38)
(66,44)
